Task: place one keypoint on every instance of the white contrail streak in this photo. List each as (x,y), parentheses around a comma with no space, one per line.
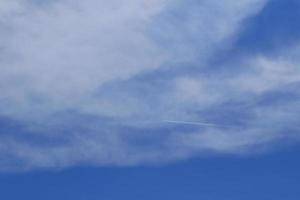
(194,123)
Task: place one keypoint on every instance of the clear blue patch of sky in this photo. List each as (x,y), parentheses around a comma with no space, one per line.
(266,177)
(277,26)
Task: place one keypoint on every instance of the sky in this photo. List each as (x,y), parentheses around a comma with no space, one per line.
(149,99)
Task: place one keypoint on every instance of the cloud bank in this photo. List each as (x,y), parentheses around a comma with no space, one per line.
(91,82)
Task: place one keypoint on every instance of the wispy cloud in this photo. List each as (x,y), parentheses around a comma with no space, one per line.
(89,82)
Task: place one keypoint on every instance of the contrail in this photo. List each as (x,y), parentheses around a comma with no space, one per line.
(194,123)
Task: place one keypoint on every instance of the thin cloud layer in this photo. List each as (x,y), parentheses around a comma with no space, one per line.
(93,82)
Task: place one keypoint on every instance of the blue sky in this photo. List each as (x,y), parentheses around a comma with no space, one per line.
(149,99)
(268,177)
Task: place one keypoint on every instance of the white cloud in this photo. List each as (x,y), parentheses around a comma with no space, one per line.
(65,51)
(107,59)
(269,73)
